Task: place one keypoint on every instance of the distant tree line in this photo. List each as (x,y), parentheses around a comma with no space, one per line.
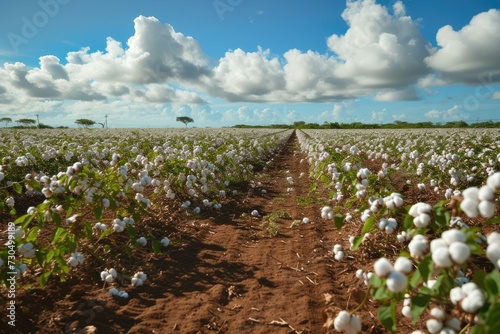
(359,125)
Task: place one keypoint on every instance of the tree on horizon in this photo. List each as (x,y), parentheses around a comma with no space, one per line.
(185,120)
(85,123)
(7,120)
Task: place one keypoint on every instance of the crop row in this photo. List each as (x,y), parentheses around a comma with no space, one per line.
(86,188)
(436,194)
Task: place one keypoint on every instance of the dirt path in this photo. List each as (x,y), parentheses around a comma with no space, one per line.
(225,273)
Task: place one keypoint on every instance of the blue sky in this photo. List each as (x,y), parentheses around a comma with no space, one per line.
(226,62)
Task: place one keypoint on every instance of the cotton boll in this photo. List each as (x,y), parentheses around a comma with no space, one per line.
(165,242)
(403,265)
(382,267)
(434,325)
(470,207)
(493,253)
(438,313)
(339,256)
(441,257)
(473,302)
(437,243)
(485,193)
(342,321)
(456,295)
(109,278)
(459,252)
(486,208)
(113,291)
(406,311)
(453,235)
(355,324)
(396,281)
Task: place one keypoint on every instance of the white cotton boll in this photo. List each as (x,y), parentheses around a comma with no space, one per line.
(437,243)
(165,242)
(305,220)
(453,235)
(339,256)
(255,213)
(434,325)
(438,313)
(494,181)
(398,201)
(355,324)
(456,295)
(142,241)
(493,253)
(418,248)
(342,321)
(72,261)
(359,273)
(441,257)
(454,324)
(493,238)
(113,291)
(382,267)
(459,252)
(136,281)
(109,279)
(113,272)
(406,311)
(486,208)
(422,220)
(403,265)
(485,193)
(396,281)
(337,248)
(473,302)
(382,223)
(470,207)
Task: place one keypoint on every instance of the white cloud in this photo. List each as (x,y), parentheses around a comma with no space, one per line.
(470,55)
(452,114)
(379,50)
(495,95)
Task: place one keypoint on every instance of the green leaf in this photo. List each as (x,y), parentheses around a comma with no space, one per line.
(441,215)
(479,278)
(17,188)
(418,305)
(492,283)
(338,220)
(357,242)
(370,224)
(426,267)
(381,294)
(156,246)
(493,319)
(387,316)
(415,279)
(44,278)
(105,233)
(39,257)
(56,217)
(58,234)
(408,222)
(24,220)
(33,234)
(494,220)
(98,212)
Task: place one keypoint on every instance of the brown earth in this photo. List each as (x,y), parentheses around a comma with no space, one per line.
(224,272)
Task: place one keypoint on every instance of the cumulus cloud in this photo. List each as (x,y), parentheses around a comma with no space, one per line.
(469,55)
(451,114)
(379,52)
